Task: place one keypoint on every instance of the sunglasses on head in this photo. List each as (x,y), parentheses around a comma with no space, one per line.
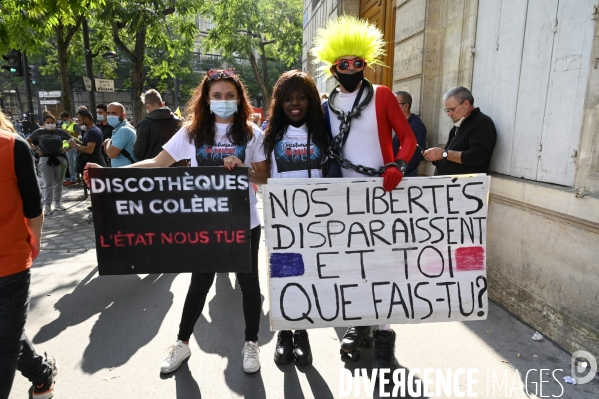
(358,63)
(215,74)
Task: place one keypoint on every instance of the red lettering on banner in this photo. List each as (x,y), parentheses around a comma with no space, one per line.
(229,237)
(102,242)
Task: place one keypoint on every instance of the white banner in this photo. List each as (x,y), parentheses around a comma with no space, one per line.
(104,85)
(343,252)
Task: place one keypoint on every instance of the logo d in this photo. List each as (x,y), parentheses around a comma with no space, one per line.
(579,368)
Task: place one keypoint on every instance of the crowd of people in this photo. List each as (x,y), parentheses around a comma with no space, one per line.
(366,126)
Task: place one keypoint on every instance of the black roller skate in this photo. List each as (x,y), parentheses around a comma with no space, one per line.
(353,338)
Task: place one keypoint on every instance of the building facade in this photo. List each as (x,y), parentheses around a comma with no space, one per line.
(532,65)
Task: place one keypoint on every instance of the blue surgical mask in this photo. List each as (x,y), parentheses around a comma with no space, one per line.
(113,120)
(100,118)
(223,108)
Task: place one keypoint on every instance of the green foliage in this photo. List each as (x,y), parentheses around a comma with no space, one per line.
(268,30)
(243,24)
(169,32)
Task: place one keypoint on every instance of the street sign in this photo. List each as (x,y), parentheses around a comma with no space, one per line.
(50,94)
(88,83)
(49,102)
(105,85)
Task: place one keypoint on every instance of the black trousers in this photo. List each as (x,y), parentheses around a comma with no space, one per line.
(16,350)
(250,290)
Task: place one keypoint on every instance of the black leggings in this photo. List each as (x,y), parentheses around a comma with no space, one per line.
(250,290)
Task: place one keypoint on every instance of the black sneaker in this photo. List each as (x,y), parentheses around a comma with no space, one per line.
(284,349)
(301,347)
(45,388)
(384,348)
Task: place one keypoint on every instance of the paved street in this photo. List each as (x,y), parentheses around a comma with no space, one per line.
(109,335)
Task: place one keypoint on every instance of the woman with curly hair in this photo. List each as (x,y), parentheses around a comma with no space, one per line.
(294,142)
(218,116)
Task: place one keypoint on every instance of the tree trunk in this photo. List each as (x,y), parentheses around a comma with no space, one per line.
(263,88)
(63,65)
(264,65)
(137,65)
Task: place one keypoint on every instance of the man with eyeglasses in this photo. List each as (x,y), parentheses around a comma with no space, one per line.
(364,140)
(471,140)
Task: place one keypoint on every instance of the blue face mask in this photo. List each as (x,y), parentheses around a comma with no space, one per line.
(223,108)
(113,120)
(100,118)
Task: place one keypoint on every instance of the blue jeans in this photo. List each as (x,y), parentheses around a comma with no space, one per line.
(72,158)
(16,350)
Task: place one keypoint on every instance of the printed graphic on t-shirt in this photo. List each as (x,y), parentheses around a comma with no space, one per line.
(208,155)
(291,157)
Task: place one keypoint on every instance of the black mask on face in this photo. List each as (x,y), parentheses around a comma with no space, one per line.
(349,81)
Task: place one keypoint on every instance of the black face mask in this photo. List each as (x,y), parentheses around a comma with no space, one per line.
(350,81)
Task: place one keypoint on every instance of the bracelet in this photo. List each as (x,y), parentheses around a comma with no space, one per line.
(251,173)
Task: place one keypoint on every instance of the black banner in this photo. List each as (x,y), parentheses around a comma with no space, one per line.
(171,220)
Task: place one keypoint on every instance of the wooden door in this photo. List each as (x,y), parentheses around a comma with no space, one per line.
(382,14)
(530,74)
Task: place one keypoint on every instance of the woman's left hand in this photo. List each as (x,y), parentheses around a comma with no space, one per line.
(232,161)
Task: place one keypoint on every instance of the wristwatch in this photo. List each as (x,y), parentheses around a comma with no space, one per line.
(445,154)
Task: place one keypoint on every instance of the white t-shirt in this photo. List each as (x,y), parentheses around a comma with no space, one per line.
(289,157)
(362,146)
(180,148)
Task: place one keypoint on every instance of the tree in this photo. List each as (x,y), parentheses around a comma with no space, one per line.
(139,24)
(268,29)
(28,24)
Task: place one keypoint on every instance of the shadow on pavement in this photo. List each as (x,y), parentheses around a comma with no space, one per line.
(186,385)
(131,312)
(224,336)
(512,340)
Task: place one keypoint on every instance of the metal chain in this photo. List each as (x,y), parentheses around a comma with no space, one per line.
(345,118)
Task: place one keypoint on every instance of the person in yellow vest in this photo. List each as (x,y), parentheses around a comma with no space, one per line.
(74,131)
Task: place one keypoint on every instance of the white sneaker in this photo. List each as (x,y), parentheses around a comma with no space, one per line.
(175,355)
(58,207)
(47,210)
(251,361)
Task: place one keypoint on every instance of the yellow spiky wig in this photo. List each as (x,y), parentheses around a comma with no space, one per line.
(347,35)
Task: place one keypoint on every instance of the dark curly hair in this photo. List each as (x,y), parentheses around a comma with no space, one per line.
(291,82)
(200,121)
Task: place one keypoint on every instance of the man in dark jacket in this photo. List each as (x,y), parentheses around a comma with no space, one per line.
(159,125)
(105,128)
(405,103)
(471,140)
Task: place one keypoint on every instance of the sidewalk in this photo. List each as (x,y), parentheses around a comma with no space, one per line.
(109,335)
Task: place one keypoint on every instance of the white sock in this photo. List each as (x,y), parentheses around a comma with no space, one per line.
(384,327)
